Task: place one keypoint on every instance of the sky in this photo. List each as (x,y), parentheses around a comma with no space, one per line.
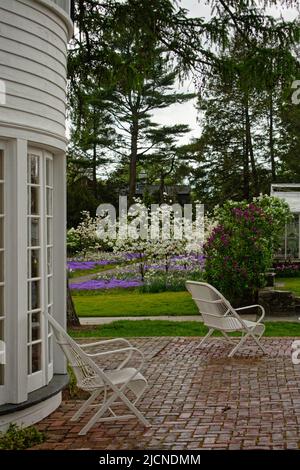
(186,113)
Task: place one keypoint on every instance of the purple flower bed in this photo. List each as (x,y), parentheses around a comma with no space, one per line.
(130,256)
(113,283)
(287,269)
(76,265)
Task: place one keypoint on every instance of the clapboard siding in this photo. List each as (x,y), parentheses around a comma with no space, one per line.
(29,52)
(27,79)
(41,16)
(34,67)
(33,59)
(39,45)
(25,15)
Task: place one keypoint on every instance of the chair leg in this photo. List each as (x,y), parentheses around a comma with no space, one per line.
(97,416)
(88,402)
(258,343)
(234,350)
(210,332)
(227,337)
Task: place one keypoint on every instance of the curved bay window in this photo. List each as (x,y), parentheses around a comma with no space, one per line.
(40,267)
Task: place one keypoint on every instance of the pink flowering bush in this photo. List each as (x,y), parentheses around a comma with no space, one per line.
(239,251)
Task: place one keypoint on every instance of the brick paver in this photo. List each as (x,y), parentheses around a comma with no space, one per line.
(198,398)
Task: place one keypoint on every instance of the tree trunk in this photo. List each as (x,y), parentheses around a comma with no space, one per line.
(94,164)
(246,185)
(94,169)
(133,158)
(72,318)
(162,187)
(250,148)
(271,138)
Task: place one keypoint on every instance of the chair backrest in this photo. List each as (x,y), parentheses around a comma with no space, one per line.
(215,310)
(85,369)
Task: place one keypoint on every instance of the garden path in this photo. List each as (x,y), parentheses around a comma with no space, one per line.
(106,320)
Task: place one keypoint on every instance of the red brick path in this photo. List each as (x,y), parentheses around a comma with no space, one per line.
(198,398)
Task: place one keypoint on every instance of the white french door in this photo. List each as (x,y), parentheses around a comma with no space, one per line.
(3,355)
(39,267)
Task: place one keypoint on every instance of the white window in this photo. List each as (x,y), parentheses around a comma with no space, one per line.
(40,267)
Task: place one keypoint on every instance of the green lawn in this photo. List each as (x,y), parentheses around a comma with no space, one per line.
(135,328)
(117,303)
(289,283)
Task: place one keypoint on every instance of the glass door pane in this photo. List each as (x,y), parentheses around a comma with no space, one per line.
(292,238)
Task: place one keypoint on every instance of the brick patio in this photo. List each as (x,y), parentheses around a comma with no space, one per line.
(198,398)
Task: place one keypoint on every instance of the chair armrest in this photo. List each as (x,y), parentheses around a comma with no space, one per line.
(104,342)
(129,350)
(251,306)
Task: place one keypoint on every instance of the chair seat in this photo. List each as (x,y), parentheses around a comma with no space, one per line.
(231,324)
(117,377)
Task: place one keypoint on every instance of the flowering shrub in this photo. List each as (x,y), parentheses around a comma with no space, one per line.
(83,238)
(180,269)
(240,248)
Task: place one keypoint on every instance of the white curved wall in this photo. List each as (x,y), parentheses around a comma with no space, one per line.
(33,55)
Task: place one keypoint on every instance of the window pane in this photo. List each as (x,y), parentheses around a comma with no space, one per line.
(1,198)
(34,170)
(1,165)
(1,266)
(35,326)
(34,201)
(1,232)
(29,296)
(36,357)
(49,231)
(49,174)
(1,301)
(49,260)
(34,263)
(35,232)
(35,295)
(50,296)
(293,237)
(49,201)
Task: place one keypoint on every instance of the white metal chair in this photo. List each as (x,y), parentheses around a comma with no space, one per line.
(218,314)
(112,385)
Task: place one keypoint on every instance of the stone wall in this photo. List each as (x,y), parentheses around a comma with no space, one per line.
(279,303)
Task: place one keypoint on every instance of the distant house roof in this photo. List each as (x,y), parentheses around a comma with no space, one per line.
(169,189)
(290,192)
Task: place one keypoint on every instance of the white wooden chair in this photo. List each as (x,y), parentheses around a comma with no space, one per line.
(113,385)
(218,314)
